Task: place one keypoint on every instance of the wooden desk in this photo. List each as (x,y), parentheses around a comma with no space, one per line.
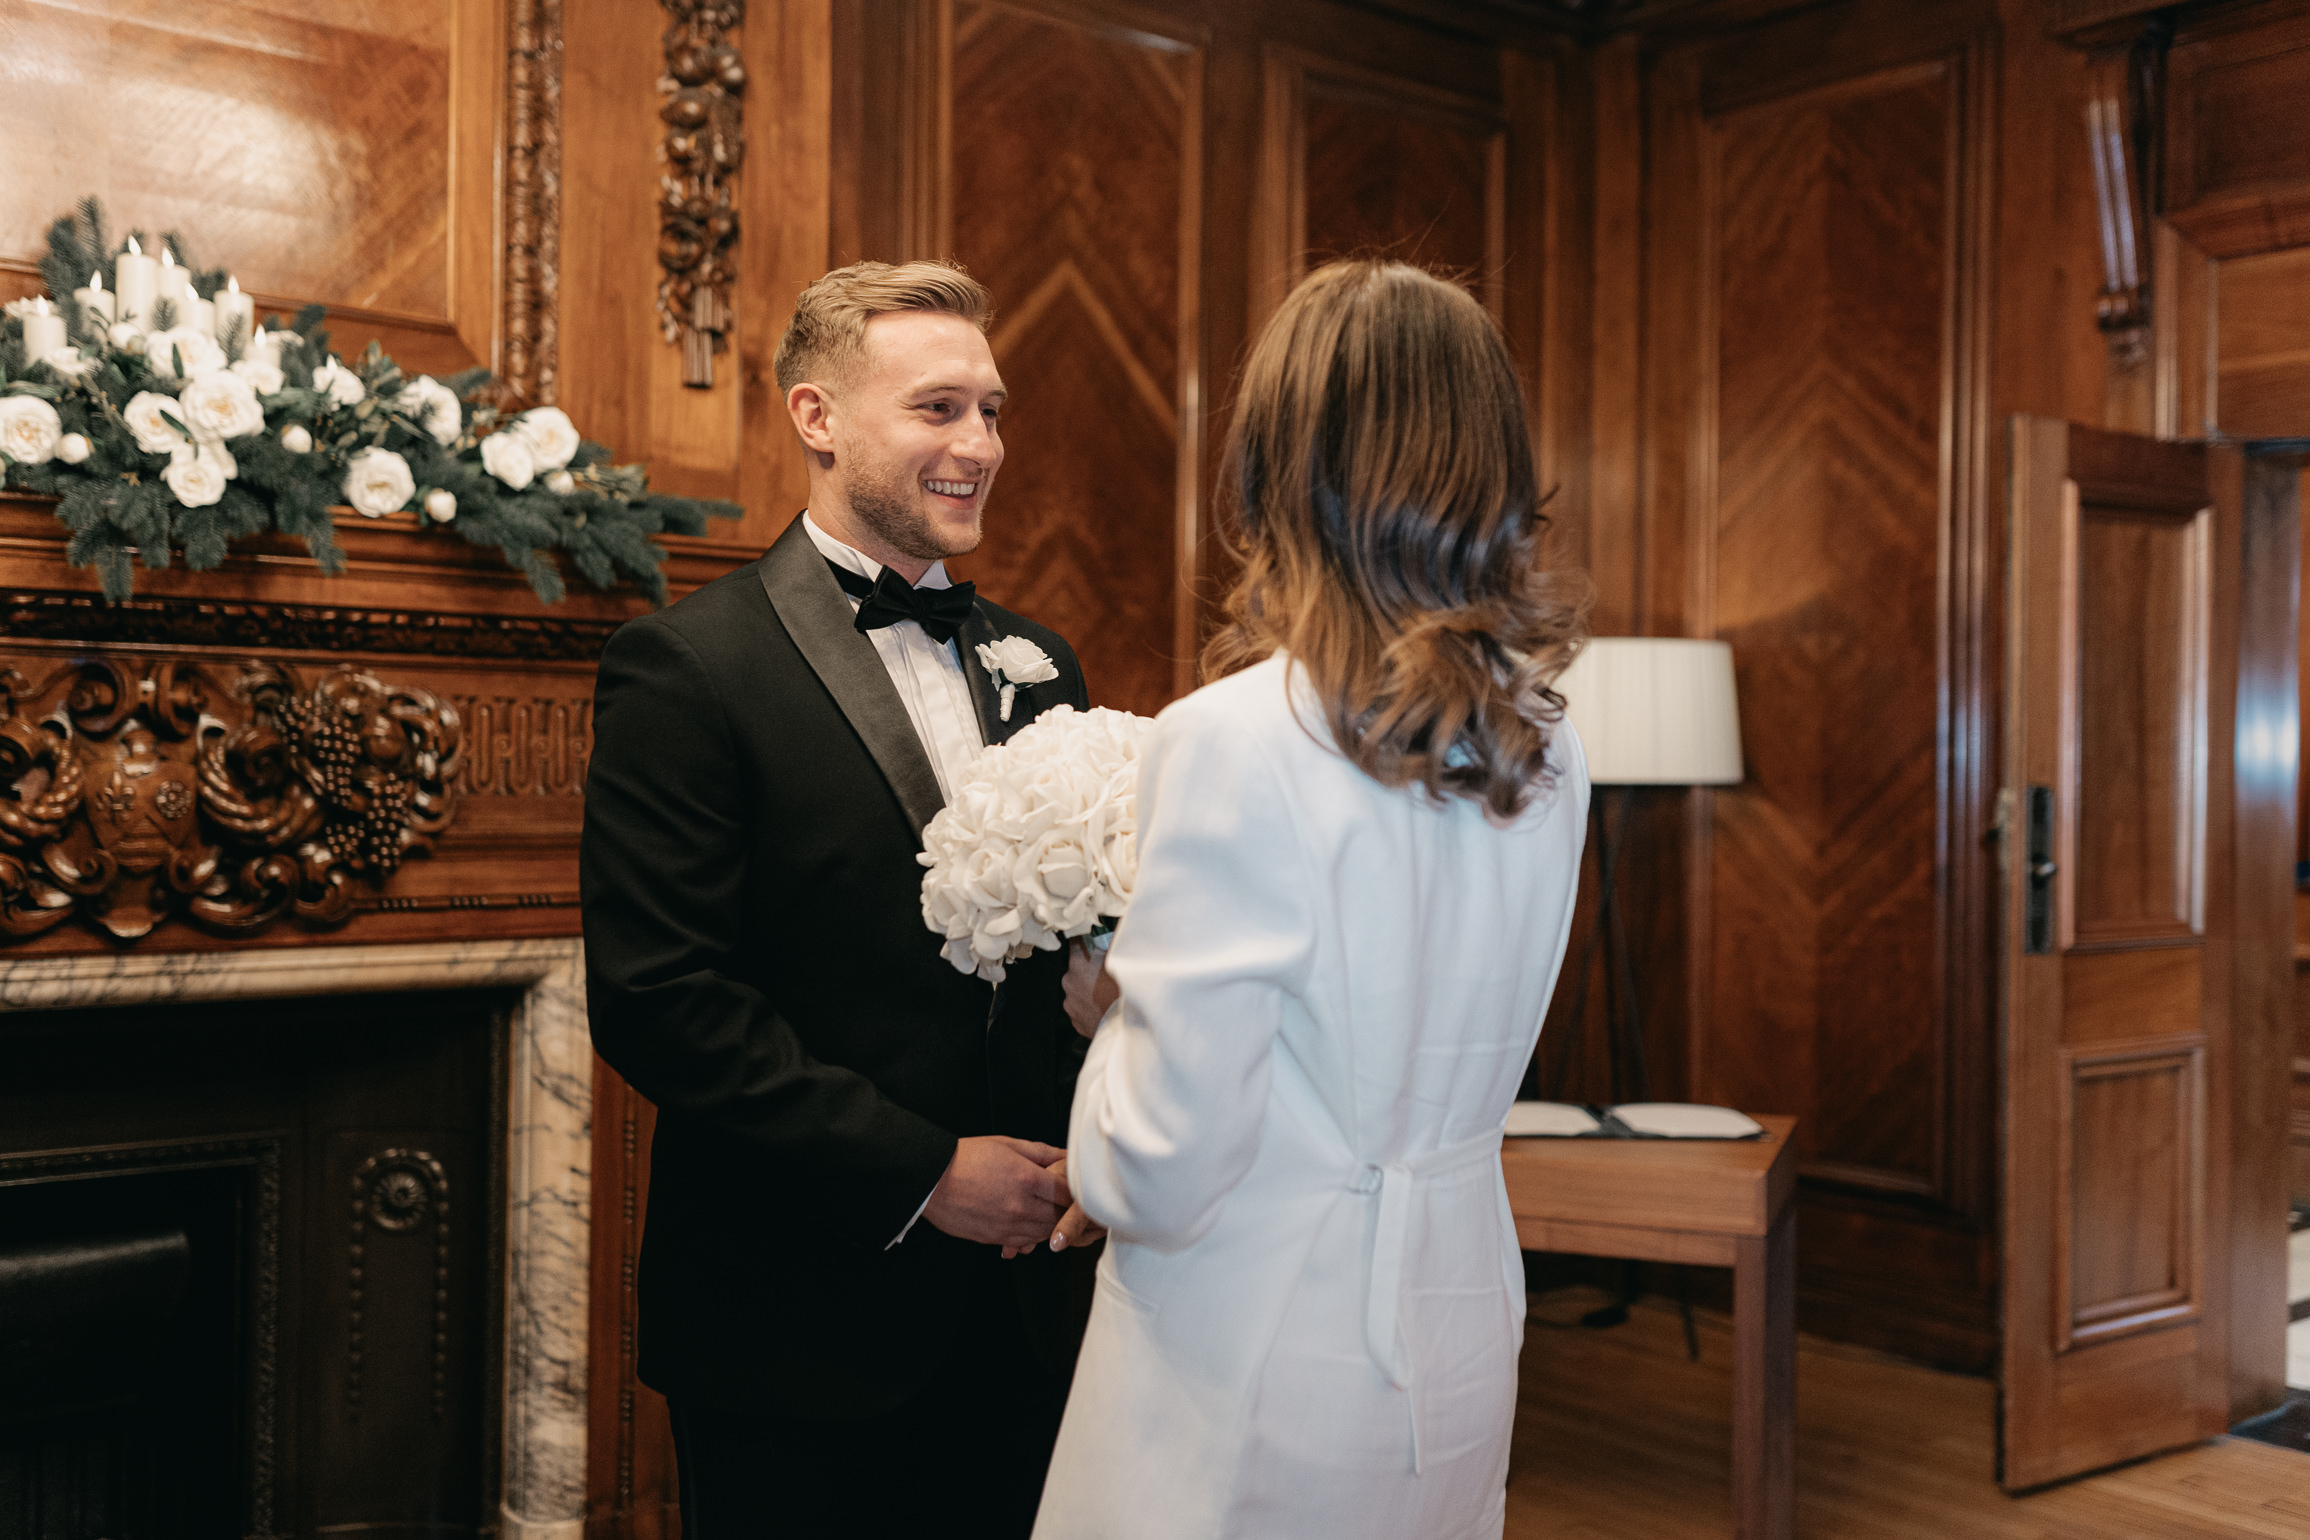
(1711,1202)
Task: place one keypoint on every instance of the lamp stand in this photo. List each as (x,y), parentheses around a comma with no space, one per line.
(1623,1048)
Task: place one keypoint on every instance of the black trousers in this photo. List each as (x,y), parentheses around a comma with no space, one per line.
(961,1459)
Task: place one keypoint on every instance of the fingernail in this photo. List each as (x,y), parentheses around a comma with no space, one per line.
(1058,1240)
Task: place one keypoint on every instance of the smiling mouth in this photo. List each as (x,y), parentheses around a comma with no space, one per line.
(958,489)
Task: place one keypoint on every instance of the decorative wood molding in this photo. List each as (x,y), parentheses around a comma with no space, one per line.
(140,789)
(703,147)
(533,201)
(396,1191)
(242,624)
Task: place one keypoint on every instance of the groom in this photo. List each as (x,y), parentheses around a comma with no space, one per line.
(853,1138)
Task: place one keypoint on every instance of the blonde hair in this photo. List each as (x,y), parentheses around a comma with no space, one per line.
(1390,531)
(825,342)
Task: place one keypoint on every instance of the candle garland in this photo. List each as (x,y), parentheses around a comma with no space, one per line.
(145,394)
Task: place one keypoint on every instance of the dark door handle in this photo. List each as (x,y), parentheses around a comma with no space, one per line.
(2037,925)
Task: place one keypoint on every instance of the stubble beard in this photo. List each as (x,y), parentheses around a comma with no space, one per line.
(881,501)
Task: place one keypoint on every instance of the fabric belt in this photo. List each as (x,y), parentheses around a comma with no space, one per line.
(1396,1183)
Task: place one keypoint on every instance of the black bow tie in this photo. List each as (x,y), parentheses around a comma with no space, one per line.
(890,599)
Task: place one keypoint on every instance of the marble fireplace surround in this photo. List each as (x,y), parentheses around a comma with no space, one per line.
(549,1165)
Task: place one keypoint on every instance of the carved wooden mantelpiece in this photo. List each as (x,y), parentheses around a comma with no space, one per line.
(262,755)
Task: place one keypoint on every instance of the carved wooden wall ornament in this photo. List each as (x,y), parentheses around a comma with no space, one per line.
(138,789)
(533,201)
(704,144)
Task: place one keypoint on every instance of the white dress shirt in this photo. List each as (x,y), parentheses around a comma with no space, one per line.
(929,679)
(928,674)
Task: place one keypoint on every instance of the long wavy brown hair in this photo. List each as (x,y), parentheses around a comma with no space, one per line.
(1389,531)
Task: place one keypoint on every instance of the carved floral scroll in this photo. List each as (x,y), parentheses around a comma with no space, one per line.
(701,152)
(133,791)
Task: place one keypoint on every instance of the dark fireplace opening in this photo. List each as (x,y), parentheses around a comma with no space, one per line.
(121,1340)
(249,1268)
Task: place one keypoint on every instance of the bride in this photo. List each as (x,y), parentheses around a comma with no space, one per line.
(1359,853)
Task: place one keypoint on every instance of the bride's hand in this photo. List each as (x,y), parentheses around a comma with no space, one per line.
(1088,989)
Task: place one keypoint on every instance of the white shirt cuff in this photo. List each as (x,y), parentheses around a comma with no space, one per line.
(917,1219)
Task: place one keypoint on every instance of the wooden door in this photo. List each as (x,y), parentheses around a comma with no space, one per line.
(2118,938)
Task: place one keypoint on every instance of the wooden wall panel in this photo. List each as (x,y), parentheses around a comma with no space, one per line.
(1812,488)
(1074,200)
(1382,180)
(2262,344)
(1823,987)
(306,148)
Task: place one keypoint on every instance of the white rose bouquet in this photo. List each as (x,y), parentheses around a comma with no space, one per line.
(1040,843)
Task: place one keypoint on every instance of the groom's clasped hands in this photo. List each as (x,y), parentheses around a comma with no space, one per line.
(1011,1193)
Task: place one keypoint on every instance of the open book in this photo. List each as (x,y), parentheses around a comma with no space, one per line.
(1633,1120)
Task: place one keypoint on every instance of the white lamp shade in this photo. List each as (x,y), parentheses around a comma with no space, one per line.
(1655,711)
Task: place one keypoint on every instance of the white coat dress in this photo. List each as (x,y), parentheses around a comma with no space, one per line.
(1311,1303)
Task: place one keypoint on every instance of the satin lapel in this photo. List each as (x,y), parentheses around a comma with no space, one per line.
(811,605)
(985,695)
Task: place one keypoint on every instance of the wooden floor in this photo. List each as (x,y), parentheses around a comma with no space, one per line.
(1619,1437)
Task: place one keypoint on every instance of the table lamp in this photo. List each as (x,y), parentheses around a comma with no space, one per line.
(1650,711)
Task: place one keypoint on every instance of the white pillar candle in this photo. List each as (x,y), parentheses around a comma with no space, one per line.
(197,313)
(43,330)
(136,284)
(264,347)
(97,299)
(235,309)
(175,281)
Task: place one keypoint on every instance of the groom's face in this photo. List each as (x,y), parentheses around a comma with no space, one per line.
(916,444)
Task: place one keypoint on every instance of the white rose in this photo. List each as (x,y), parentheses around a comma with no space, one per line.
(552,438)
(340,384)
(126,338)
(263,375)
(434,407)
(196,350)
(560,483)
(68,363)
(508,459)
(296,440)
(157,421)
(196,477)
(1015,660)
(29,429)
(73,448)
(377,482)
(221,406)
(441,505)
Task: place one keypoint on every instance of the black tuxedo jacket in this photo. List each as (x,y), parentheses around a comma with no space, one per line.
(757,965)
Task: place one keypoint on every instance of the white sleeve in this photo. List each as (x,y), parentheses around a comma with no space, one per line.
(1219,935)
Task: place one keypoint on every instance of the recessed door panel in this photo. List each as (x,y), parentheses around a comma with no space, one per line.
(2140,723)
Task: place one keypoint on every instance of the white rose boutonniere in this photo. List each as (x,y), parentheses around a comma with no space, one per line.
(221,406)
(434,407)
(341,385)
(29,430)
(1014,661)
(507,458)
(377,482)
(552,438)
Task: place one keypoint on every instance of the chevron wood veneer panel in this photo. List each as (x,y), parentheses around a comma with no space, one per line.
(305,148)
(1824,992)
(1069,191)
(1395,183)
